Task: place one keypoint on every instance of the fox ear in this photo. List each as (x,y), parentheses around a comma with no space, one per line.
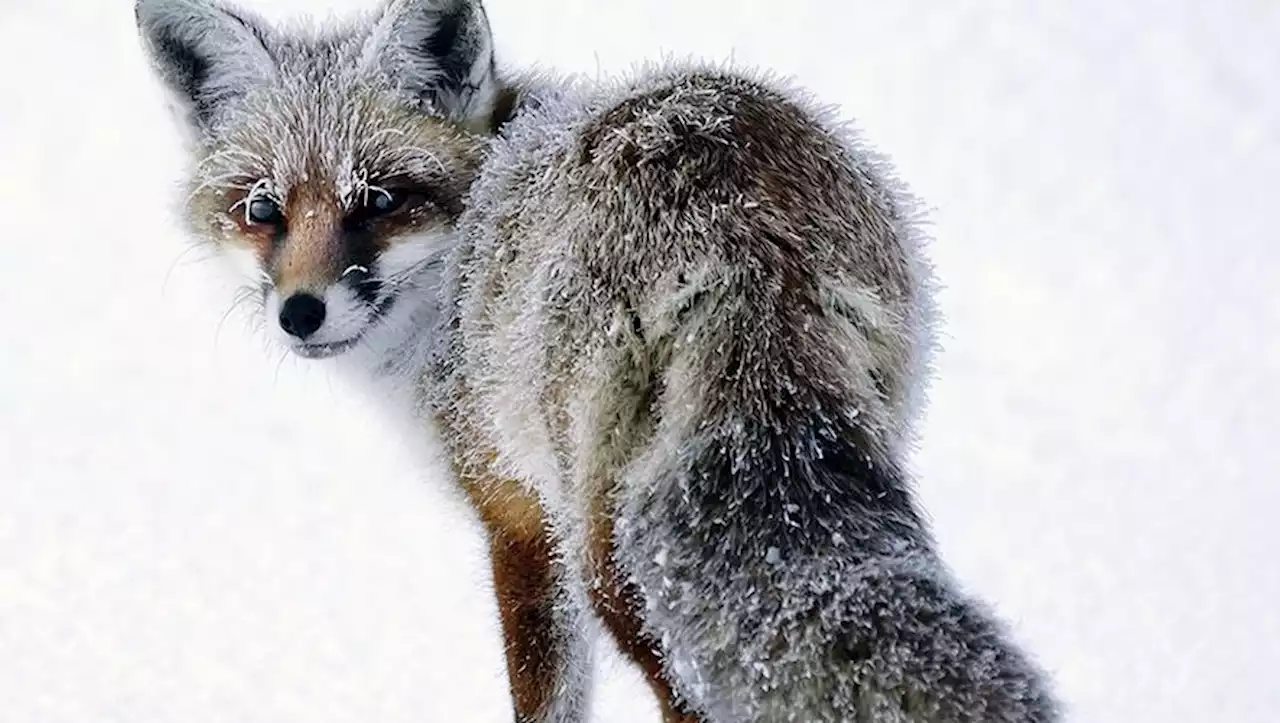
(439,52)
(206,54)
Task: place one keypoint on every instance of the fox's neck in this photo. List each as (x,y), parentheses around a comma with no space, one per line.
(393,359)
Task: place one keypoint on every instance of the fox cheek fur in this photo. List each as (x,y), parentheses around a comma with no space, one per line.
(673,329)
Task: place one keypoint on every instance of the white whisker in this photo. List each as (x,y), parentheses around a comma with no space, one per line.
(210,253)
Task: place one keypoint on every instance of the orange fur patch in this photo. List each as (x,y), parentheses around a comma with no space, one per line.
(312,248)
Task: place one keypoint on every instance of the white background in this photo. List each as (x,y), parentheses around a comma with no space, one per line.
(193,530)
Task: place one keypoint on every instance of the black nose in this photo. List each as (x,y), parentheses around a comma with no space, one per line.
(301,315)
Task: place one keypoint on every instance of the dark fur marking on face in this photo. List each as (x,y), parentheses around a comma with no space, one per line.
(366,235)
(425,194)
(362,249)
(441,198)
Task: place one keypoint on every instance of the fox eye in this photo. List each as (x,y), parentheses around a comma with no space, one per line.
(379,203)
(264,210)
(384,202)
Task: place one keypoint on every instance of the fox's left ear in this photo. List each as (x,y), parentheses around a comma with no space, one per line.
(439,52)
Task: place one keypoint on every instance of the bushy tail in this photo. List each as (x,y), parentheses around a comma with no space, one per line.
(771,532)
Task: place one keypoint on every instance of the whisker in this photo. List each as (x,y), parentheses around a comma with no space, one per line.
(218,182)
(432,258)
(409,274)
(164,284)
(284,354)
(244,295)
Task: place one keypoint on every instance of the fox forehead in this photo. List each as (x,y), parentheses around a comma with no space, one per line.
(348,138)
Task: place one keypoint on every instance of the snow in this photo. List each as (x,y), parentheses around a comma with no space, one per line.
(193,530)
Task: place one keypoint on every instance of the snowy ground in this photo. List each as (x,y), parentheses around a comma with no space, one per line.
(193,531)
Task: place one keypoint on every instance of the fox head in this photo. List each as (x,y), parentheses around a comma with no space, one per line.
(329,163)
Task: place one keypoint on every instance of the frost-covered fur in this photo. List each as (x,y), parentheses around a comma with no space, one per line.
(694,293)
(681,332)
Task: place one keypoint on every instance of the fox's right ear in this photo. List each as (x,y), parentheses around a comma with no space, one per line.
(439,52)
(206,53)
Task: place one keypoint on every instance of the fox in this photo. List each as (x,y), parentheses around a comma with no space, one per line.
(673,328)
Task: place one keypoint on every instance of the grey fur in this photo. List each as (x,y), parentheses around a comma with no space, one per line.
(689,291)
